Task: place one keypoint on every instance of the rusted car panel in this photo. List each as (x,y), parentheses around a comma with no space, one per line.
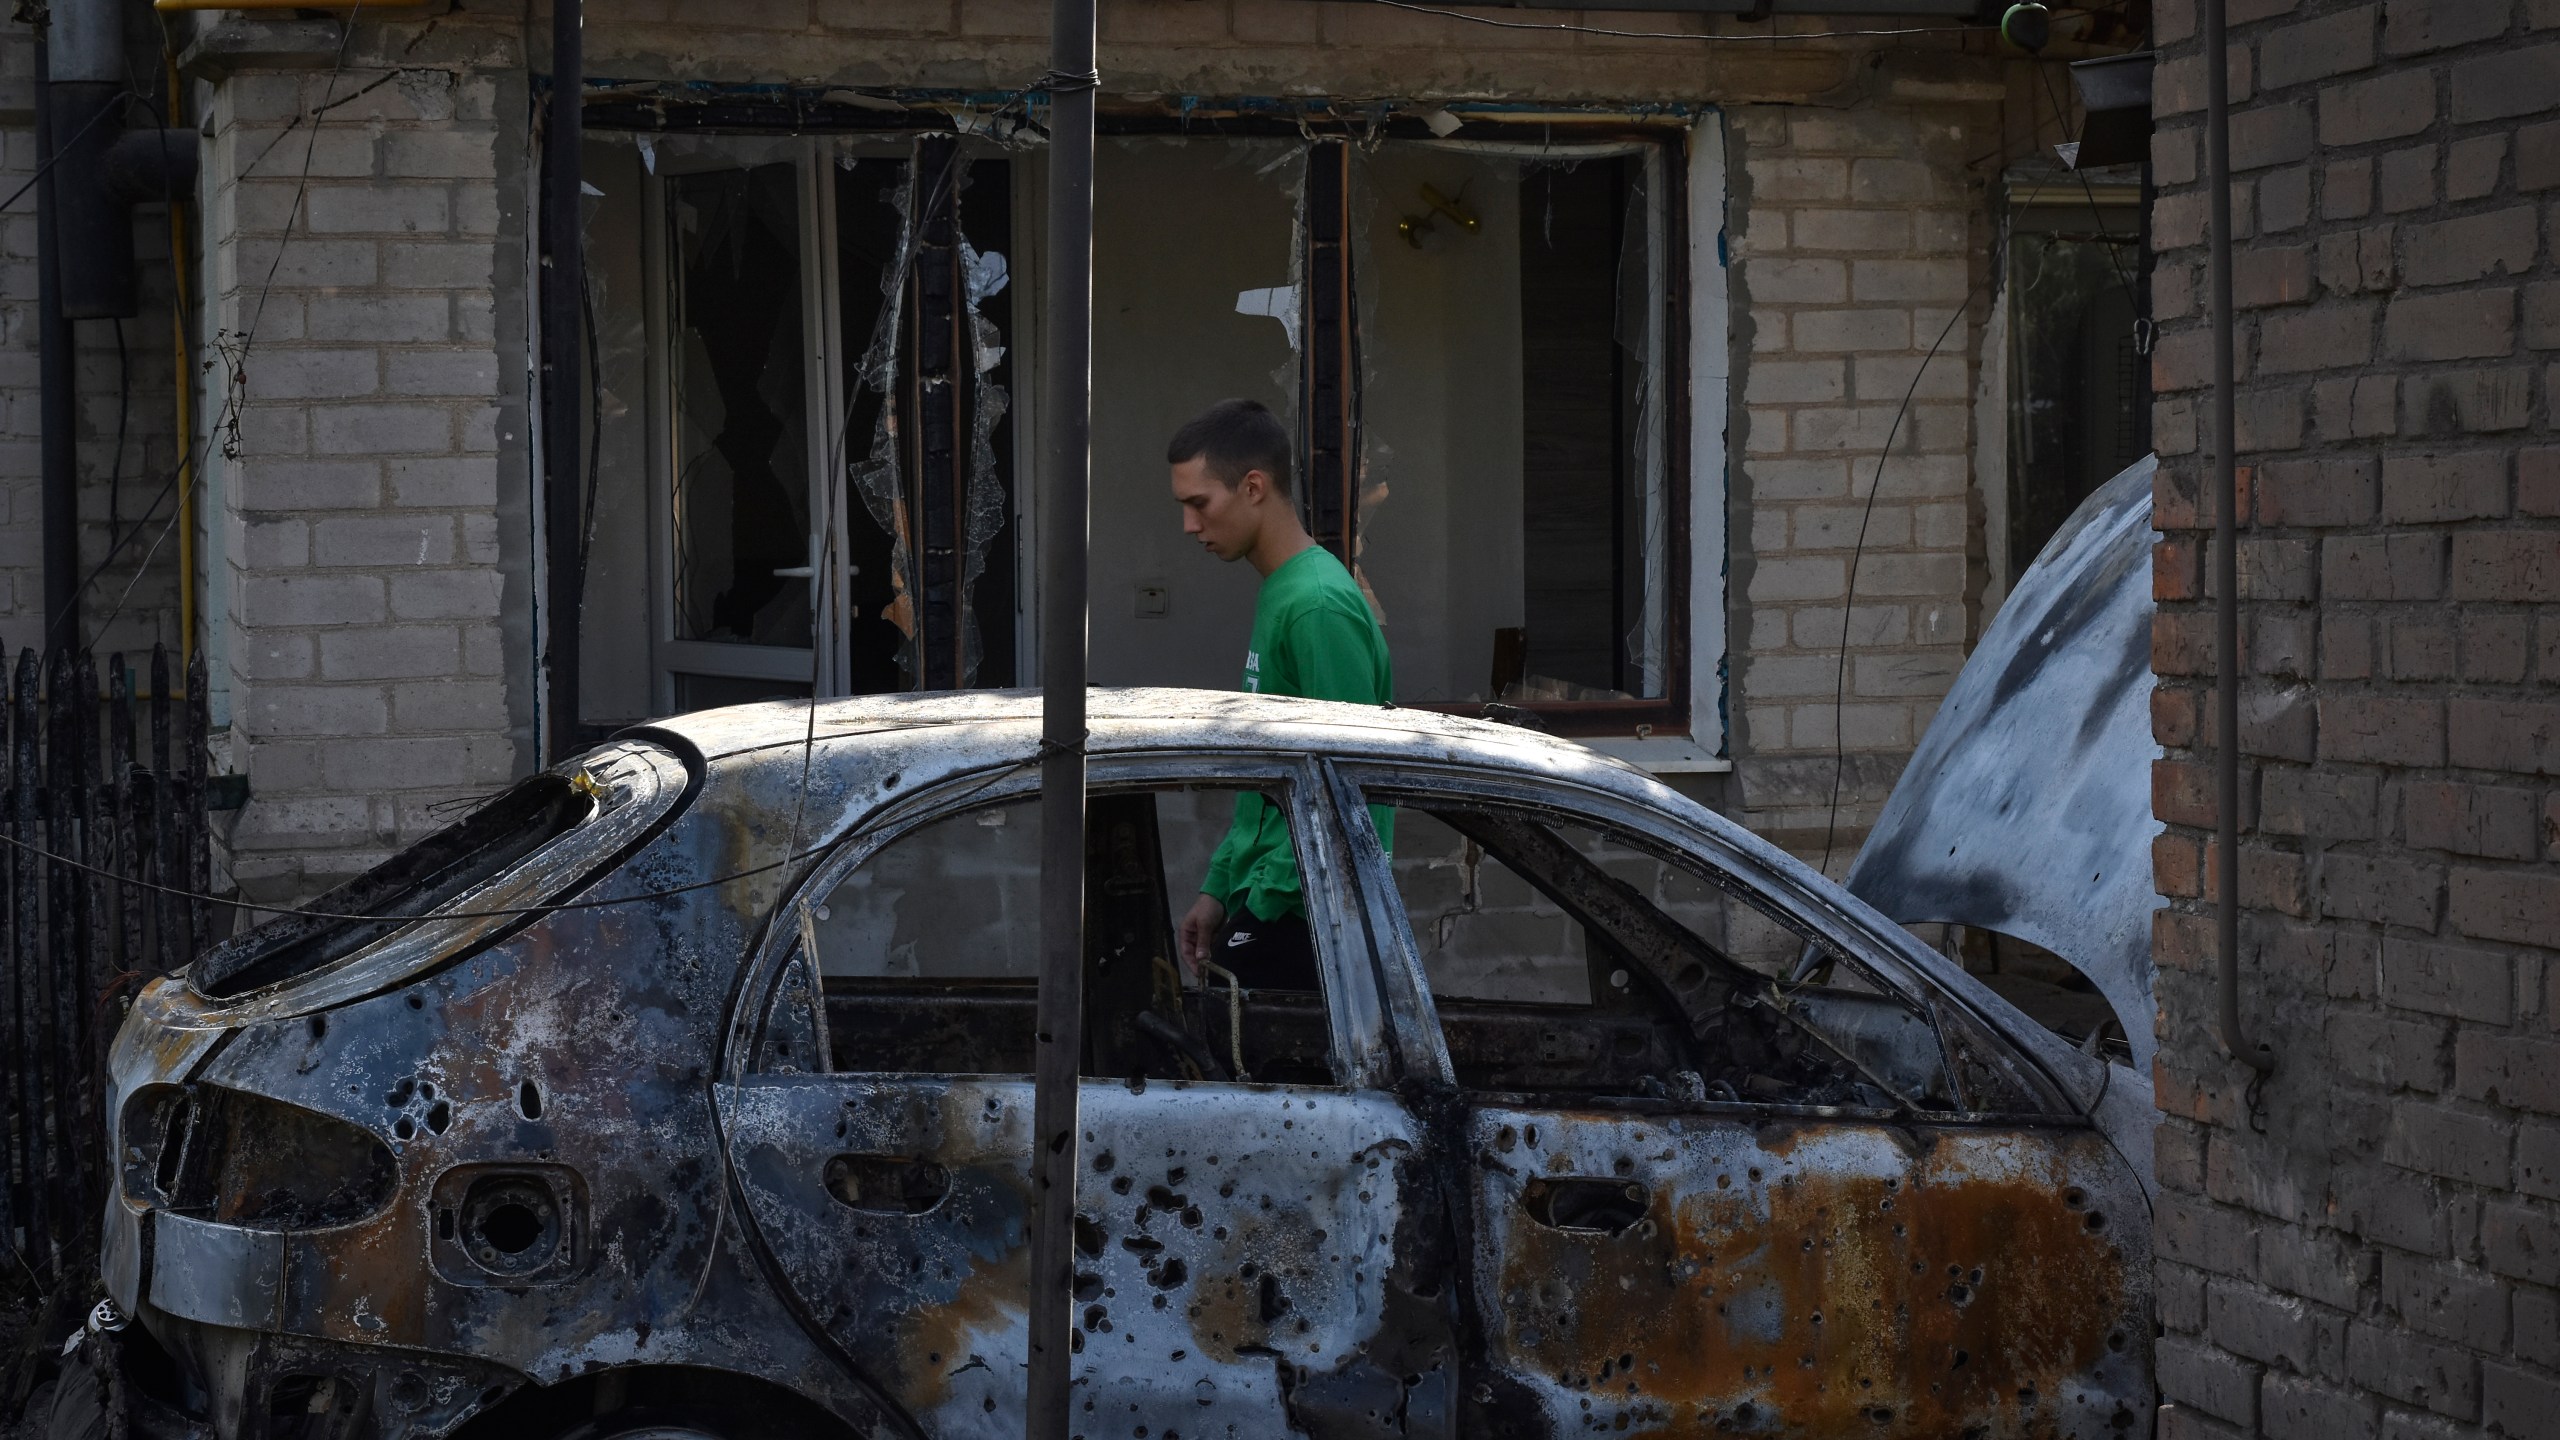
(1679,1275)
(2026,809)
(315,1170)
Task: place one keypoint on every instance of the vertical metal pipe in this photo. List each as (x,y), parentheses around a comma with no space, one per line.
(59,398)
(563,373)
(2226,547)
(1066,422)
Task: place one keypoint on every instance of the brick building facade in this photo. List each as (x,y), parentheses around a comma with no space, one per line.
(369,566)
(2369,1243)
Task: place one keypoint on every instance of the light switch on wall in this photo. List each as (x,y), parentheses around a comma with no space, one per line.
(1154,601)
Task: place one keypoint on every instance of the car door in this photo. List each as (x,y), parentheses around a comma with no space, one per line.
(1702,1197)
(1244,1235)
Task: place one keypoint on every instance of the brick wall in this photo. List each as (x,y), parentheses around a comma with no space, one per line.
(1859,225)
(2371,1243)
(128,506)
(371,563)
(372,575)
(1857,250)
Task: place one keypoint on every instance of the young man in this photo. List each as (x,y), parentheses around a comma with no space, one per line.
(1313,636)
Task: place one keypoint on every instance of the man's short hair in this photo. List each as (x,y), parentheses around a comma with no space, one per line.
(1234,436)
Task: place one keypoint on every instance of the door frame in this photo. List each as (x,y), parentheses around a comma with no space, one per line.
(1893,956)
(1355,995)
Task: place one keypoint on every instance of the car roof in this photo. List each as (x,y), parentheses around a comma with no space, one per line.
(1147,718)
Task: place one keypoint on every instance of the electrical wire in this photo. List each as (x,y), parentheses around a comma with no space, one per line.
(1564,27)
(2062,122)
(1840,677)
(301,188)
(237,357)
(59,150)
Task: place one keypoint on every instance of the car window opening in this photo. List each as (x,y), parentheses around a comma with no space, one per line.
(427,875)
(927,955)
(1567,960)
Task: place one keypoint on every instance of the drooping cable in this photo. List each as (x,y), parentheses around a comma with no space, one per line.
(1840,677)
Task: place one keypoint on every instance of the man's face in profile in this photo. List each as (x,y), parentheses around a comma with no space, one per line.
(1225,519)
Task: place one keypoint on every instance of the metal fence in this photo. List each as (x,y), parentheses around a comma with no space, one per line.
(102,782)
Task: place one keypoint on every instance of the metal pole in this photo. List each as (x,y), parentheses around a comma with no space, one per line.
(58,402)
(1066,448)
(563,373)
(2226,545)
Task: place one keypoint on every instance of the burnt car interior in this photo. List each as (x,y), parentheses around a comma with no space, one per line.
(1571,962)
(928,957)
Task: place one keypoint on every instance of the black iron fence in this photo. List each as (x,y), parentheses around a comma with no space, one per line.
(102,783)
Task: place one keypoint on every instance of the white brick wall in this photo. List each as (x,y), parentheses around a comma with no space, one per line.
(369,675)
(1853,249)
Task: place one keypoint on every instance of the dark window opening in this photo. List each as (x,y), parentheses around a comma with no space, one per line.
(741,412)
(2079,398)
(1518,498)
(1585,577)
(928,439)
(800,355)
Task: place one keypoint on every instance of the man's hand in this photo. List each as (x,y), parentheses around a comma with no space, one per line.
(1200,930)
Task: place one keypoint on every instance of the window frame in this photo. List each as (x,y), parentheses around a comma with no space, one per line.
(1421,1046)
(1669,162)
(1696,382)
(1353,1004)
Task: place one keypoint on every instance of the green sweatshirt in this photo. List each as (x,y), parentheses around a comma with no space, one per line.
(1313,636)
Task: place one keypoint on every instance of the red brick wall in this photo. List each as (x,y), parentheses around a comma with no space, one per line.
(2369,1243)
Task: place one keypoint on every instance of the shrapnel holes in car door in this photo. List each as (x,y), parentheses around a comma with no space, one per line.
(1240,1205)
(1705,1196)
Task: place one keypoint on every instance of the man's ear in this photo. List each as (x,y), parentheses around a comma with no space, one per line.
(1252,486)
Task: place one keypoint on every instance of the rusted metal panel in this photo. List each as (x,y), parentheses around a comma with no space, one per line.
(1825,1277)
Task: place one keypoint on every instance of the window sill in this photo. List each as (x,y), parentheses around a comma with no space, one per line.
(1660,755)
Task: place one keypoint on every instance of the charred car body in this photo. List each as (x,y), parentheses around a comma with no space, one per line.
(687,1086)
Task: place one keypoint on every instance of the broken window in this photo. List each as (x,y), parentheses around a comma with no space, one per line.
(1565,958)
(1514,516)
(2078,404)
(805,369)
(1473,343)
(928,953)
(799,390)
(738,403)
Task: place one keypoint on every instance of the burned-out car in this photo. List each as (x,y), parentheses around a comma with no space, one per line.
(684,1089)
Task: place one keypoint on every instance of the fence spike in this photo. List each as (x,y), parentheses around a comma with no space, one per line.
(26,934)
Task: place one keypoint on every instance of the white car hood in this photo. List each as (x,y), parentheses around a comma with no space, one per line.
(2027,808)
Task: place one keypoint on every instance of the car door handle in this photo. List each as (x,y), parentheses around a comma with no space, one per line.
(1590,1204)
(888,1184)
